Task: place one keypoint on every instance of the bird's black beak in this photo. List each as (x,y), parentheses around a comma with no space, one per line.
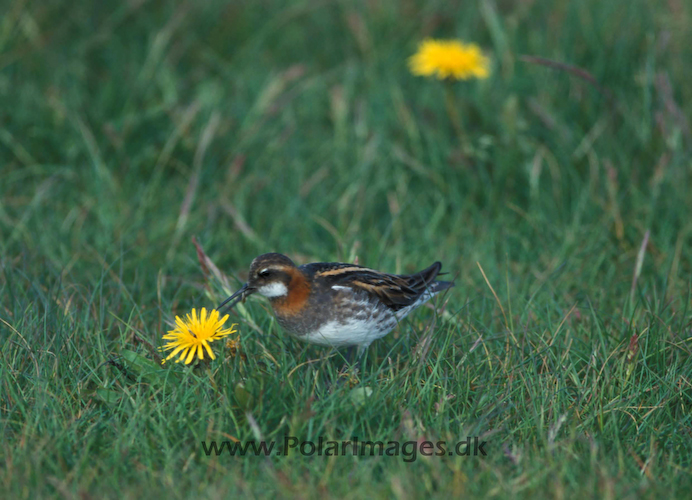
(241,294)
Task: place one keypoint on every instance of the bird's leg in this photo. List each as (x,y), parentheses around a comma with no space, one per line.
(353,354)
(349,372)
(356,355)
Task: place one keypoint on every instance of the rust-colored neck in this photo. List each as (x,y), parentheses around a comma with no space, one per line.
(296,298)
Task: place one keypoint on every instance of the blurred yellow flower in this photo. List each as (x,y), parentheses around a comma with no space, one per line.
(233,347)
(449,59)
(193,335)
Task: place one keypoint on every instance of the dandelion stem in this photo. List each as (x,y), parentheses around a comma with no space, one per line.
(453,112)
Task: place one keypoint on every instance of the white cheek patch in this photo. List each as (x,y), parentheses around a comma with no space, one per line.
(276,289)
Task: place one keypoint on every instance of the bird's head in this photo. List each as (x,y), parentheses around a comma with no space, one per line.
(270,275)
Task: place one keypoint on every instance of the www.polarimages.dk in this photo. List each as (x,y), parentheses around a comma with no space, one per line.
(410,450)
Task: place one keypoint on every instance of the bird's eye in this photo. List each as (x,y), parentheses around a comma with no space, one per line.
(264,273)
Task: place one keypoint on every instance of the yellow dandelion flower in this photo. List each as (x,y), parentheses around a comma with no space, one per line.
(449,59)
(193,335)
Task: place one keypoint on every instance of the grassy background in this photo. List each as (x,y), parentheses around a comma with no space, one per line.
(127,128)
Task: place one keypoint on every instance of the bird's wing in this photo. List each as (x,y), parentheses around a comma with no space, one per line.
(394,291)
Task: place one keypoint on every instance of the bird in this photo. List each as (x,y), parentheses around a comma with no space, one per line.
(337,304)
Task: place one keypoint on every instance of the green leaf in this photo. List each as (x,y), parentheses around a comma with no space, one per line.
(243,396)
(147,369)
(359,396)
(108,396)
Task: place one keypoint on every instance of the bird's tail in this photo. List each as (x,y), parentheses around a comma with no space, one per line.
(439,286)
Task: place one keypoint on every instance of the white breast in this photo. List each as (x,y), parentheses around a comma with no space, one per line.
(361,329)
(351,332)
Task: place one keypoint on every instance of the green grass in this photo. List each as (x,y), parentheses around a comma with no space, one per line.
(127,128)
